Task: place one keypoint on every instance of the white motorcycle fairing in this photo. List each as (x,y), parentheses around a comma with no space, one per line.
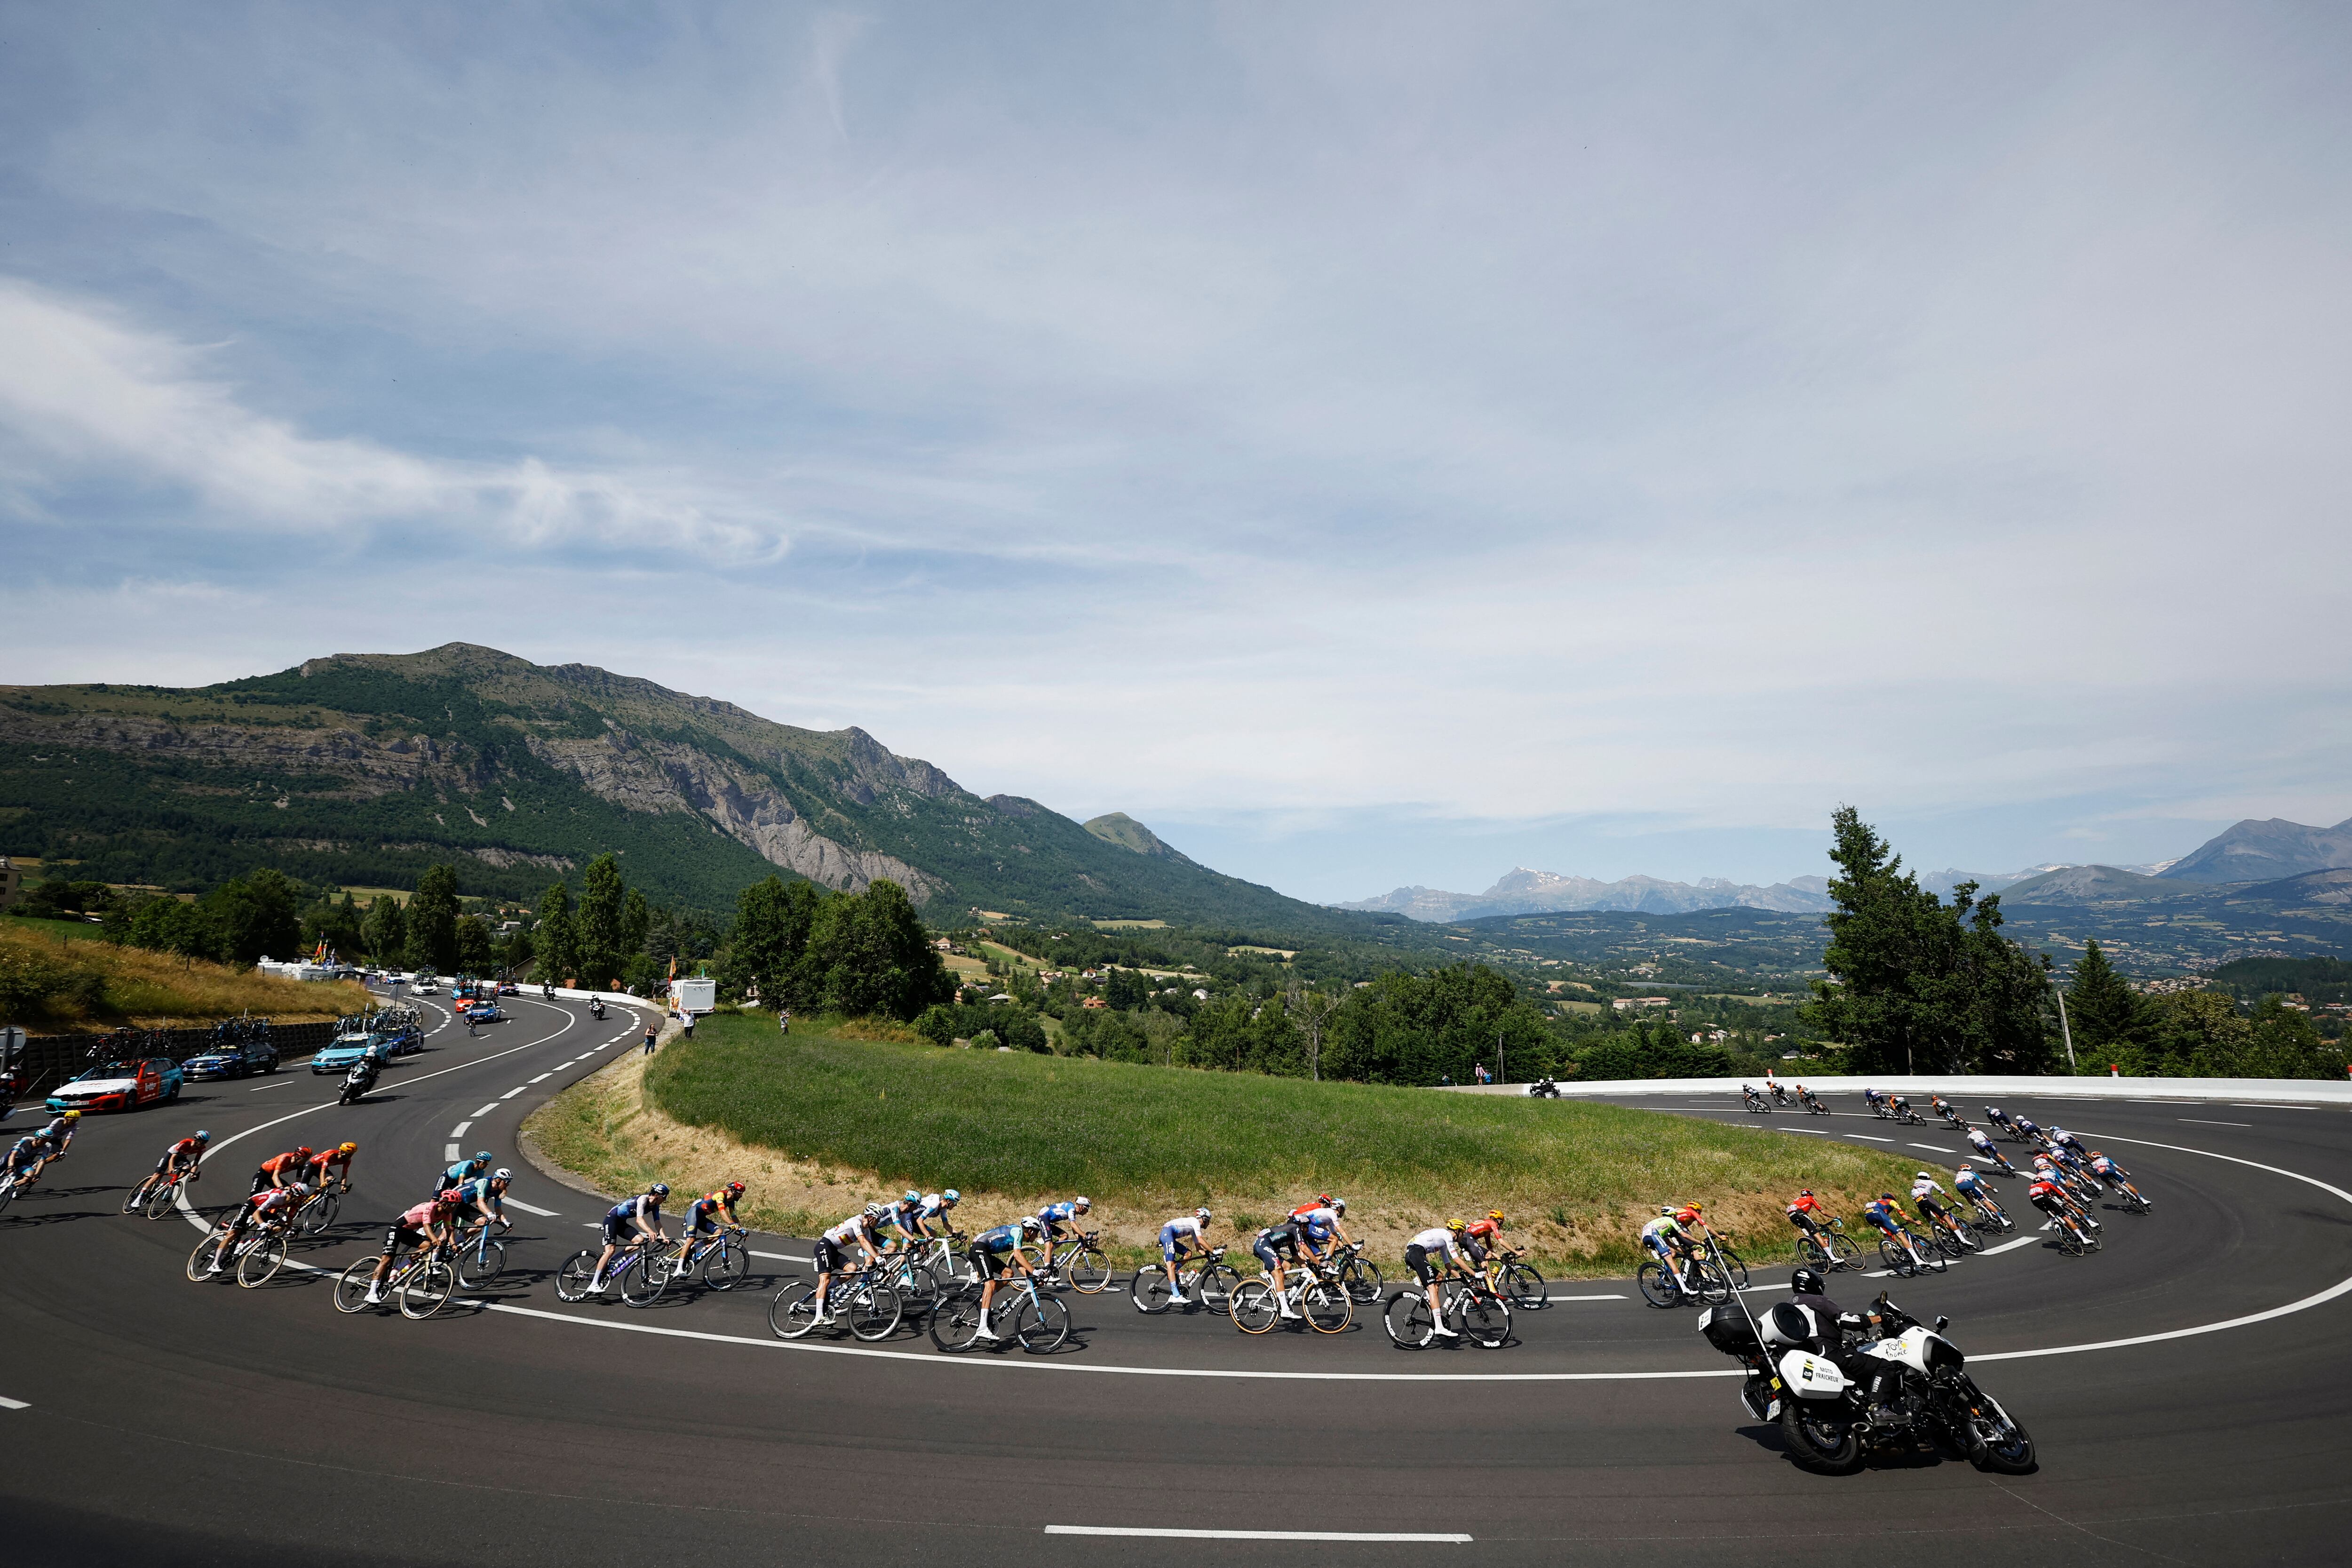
(1913,1348)
(1809,1377)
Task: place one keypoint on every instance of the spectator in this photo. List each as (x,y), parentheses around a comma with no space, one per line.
(785,1017)
(687,1019)
(651,1029)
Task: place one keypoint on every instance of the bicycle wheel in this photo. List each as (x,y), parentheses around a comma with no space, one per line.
(952,1269)
(874,1312)
(1713,1286)
(1150,1290)
(1815,1253)
(352,1285)
(1362,1278)
(1041,1322)
(1931,1257)
(1483,1317)
(955,1321)
(1524,1288)
(258,1262)
(1216,1286)
(729,1264)
(1089,1271)
(2071,1239)
(1328,1308)
(427,1288)
(1735,1268)
(573,1279)
(480,1265)
(644,1277)
(792,1312)
(1964,1236)
(1407,1320)
(1898,1261)
(1659,1287)
(1254,1307)
(318,1214)
(200,1261)
(162,1201)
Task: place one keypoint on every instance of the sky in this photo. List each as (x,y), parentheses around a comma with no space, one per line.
(1371,445)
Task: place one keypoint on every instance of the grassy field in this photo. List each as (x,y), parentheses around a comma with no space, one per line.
(840,1121)
(46,983)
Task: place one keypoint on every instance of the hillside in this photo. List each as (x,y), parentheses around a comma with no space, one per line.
(2264,852)
(363,769)
(1521,892)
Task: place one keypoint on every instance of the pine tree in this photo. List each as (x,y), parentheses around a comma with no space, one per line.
(2112,1023)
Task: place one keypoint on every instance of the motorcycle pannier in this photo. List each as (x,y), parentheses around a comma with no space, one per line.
(1728,1330)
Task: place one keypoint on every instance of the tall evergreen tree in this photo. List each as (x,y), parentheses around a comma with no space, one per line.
(2111,1021)
(602,922)
(555,949)
(433,921)
(872,955)
(771,938)
(385,930)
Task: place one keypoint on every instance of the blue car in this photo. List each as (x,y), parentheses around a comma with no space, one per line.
(349,1048)
(233,1061)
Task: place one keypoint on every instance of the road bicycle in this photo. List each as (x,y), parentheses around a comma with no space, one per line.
(1358,1275)
(1209,1283)
(1953,1237)
(1828,1247)
(1757,1104)
(640,1284)
(1952,1117)
(1314,1294)
(1472,1308)
(1813,1106)
(1906,1254)
(320,1209)
(479,1258)
(1697,1279)
(2074,1236)
(915,1283)
(1039,1321)
(858,1300)
(253,1259)
(1902,1115)
(943,1258)
(2129,1197)
(722,1258)
(1518,1284)
(1078,1260)
(157,1196)
(1991,1213)
(420,1283)
(1727,1258)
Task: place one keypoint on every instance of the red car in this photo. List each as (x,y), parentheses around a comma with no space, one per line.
(119,1085)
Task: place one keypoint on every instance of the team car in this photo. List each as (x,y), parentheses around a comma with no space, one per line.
(349,1048)
(121,1084)
(488,1012)
(233,1061)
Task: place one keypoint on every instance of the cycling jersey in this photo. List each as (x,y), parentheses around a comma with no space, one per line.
(1924,1189)
(1435,1241)
(1660,1233)
(1805,1204)
(1969,1182)
(183,1149)
(1283,1238)
(852,1229)
(1686,1216)
(1055,1214)
(478,1191)
(1318,1224)
(2046,1194)
(997,1238)
(1880,1213)
(264,1205)
(1982,1144)
(459,1172)
(931,1207)
(419,1217)
(709,1206)
(2107,1168)
(287,1163)
(893,1214)
(1177,1233)
(1482,1230)
(326,1162)
(2026,1126)
(622,1213)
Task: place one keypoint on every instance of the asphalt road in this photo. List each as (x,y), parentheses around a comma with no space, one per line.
(167,1422)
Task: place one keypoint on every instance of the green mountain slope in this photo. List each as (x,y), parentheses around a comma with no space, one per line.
(364,768)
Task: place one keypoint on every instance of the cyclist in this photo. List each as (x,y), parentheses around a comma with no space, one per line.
(1942,1108)
(2115,1176)
(2046,1168)
(181,1160)
(1431,1255)
(1998,1118)
(1664,1237)
(484,1197)
(1976,1189)
(1272,1245)
(332,1166)
(625,1222)
(1320,1230)
(1054,1217)
(265,1207)
(2051,1199)
(1898,1107)
(1484,1238)
(1871,1097)
(1806,1095)
(25,1158)
(282,1169)
(1926,1196)
(829,1255)
(2076,1165)
(1692,1222)
(1980,1142)
(60,1134)
(1749,1097)
(1881,1212)
(892,1216)
(707,1214)
(1185,1233)
(2062,1139)
(1806,1212)
(428,1221)
(928,1208)
(996,1248)
(2024,1128)
(465,1171)
(1780,1095)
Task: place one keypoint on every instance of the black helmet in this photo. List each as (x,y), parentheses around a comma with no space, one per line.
(1805,1282)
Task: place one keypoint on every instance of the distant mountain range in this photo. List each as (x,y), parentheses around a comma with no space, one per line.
(363,769)
(2264,852)
(1525,892)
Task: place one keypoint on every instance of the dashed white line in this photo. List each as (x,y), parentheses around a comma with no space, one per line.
(2007,1246)
(14,1404)
(453,1154)
(486,1110)
(1935,1148)
(2202,1123)
(459,1131)
(540,1079)
(281,1083)
(531,1208)
(1868,1139)
(2234,1105)
(515,1090)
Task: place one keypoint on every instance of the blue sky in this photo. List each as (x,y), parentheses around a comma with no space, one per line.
(1372,445)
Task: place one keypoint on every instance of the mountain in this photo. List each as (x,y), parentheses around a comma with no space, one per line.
(1524,892)
(2085,885)
(2264,852)
(1123,830)
(363,769)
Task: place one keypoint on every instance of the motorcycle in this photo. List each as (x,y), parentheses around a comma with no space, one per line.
(1544,1088)
(359,1082)
(596,1008)
(1909,1385)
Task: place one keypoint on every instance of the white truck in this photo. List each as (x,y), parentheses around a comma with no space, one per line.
(695,997)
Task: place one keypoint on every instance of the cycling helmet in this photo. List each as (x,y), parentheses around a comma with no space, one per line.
(1496,1216)
(660,1189)
(300,1189)
(1032,1223)
(873,1211)
(1888,1197)
(203,1137)
(347,1148)
(481,1157)
(502,1174)
(912,1196)
(1695,1208)
(302,1151)
(1805,1282)
(1454,1224)
(1203,1214)
(1323,1198)
(1924,1175)
(1082,1203)
(1666,1209)
(73,1115)
(1806,1193)
(735,1188)
(2097,1156)
(1339,1205)
(952,1196)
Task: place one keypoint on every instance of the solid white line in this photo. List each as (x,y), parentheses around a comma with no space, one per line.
(2236,1105)
(1441,1539)
(459,1131)
(512,1092)
(14,1404)
(1615,1298)
(531,1208)
(2164,1102)
(784,1258)
(2202,1123)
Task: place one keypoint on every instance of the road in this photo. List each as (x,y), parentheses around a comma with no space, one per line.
(152,1420)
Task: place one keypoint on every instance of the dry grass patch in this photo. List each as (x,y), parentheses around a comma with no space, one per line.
(87,985)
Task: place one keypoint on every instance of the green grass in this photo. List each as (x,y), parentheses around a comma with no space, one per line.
(63,930)
(1577,1178)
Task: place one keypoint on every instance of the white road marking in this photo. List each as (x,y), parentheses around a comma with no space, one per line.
(2234,1105)
(2007,1246)
(1935,1148)
(784,1258)
(14,1404)
(540,1079)
(453,1154)
(515,1090)
(2164,1102)
(2202,1123)
(459,1131)
(1613,1297)
(486,1110)
(1255,1534)
(281,1083)
(1868,1139)
(531,1208)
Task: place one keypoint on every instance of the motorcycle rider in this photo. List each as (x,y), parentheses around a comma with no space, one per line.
(363,1076)
(1805,1289)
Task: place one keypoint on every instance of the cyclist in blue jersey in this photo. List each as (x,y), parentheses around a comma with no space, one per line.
(892,1216)
(2025,1127)
(25,1160)
(930,1209)
(998,1248)
(624,1223)
(2116,1176)
(1881,1212)
(1186,1233)
(463,1171)
(1320,1229)
(1969,1184)
(1871,1097)
(831,1254)
(485,1197)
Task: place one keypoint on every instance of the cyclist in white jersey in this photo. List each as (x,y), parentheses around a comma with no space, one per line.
(1185,1233)
(831,1253)
(1431,1255)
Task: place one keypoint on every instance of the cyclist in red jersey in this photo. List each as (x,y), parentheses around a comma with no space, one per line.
(282,1169)
(182,1158)
(275,1206)
(332,1164)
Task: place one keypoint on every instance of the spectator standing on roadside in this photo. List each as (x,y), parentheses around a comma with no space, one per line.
(784,1016)
(687,1019)
(650,1031)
